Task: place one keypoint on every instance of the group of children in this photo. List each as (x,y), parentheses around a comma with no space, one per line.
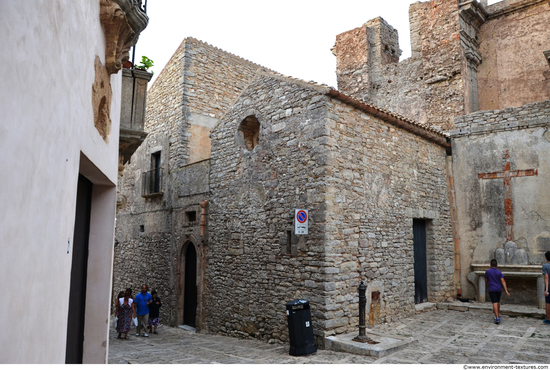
(495,282)
(127,308)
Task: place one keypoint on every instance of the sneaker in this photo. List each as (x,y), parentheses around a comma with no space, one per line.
(137,334)
(145,335)
(497,320)
(546,321)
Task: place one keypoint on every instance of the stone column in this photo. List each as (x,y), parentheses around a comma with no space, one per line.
(481,289)
(540,292)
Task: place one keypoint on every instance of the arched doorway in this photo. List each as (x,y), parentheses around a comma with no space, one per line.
(190,286)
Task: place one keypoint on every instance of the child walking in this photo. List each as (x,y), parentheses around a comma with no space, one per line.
(495,281)
(154,313)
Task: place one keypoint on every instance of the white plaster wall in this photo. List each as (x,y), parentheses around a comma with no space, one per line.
(46,122)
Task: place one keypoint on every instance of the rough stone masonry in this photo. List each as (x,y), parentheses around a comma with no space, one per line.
(240,148)
(363,179)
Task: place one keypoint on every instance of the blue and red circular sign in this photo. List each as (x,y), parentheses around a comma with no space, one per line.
(301,216)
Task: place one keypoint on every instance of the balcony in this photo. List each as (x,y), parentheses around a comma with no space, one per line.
(132,112)
(151,183)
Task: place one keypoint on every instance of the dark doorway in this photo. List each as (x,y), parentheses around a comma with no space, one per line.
(420,270)
(190,288)
(79,273)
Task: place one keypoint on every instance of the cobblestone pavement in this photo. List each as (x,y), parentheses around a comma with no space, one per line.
(447,337)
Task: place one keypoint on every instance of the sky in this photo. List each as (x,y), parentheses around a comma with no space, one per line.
(292,37)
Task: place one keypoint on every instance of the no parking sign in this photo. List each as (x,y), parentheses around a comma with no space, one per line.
(301,217)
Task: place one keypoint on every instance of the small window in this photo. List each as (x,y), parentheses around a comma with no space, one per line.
(142,228)
(191,216)
(152,179)
(250,130)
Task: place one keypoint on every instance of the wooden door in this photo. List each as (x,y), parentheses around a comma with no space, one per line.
(79,273)
(190,292)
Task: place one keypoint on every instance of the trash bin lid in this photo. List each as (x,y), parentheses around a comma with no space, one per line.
(297,304)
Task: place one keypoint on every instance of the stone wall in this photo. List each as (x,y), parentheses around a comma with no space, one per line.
(427,87)
(251,274)
(191,93)
(348,168)
(367,69)
(484,143)
(515,70)
(381,178)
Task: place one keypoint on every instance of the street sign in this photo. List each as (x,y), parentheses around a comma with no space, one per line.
(301,221)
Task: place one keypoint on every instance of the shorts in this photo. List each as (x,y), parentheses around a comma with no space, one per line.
(495,296)
(547,297)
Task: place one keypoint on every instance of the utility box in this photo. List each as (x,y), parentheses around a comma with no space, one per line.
(300,330)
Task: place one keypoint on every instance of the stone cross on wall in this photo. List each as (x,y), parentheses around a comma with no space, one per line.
(507,175)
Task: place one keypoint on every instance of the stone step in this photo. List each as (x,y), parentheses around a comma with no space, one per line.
(508,310)
(423,307)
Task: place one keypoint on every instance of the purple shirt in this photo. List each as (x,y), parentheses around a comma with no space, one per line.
(493,276)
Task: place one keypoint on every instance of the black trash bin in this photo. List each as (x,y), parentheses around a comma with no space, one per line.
(300,330)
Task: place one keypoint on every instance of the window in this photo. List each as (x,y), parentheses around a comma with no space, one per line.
(250,131)
(191,216)
(152,180)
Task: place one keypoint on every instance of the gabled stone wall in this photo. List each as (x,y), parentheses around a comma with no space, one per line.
(251,274)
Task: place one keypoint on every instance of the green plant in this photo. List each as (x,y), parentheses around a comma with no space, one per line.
(145,64)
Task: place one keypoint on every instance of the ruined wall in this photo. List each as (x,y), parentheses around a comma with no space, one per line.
(367,69)
(515,70)
(251,274)
(428,87)
(483,143)
(196,86)
(380,178)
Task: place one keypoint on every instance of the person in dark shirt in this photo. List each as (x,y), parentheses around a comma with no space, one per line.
(495,281)
(154,308)
(545,273)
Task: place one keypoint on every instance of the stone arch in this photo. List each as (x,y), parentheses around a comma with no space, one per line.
(190,273)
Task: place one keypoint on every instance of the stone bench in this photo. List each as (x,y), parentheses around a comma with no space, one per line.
(522,271)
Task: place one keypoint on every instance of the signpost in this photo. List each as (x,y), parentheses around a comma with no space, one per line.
(301,217)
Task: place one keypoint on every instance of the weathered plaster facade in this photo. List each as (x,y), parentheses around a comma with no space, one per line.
(513,40)
(59,124)
(483,143)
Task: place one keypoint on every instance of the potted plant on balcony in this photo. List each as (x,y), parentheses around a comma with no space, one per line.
(145,64)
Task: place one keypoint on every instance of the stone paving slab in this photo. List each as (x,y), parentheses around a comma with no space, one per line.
(441,336)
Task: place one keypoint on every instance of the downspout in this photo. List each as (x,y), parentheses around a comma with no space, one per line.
(454,223)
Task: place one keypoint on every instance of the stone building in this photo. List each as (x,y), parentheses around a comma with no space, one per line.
(474,72)
(365,175)
(59,130)
(403,151)
(163,188)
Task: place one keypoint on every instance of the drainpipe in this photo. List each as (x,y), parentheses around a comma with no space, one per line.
(454,223)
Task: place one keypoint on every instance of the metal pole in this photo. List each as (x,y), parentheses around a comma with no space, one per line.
(362,337)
